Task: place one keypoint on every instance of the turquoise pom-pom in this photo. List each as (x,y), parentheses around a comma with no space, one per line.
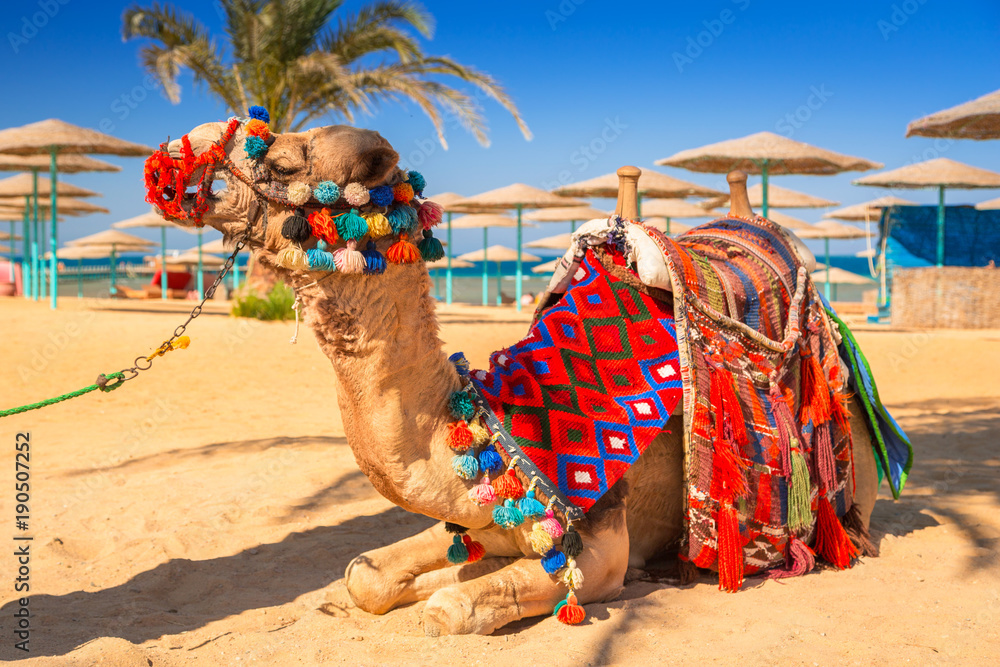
(260,113)
(374,261)
(507,516)
(461,406)
(457,552)
(381,195)
(398,220)
(412,217)
(351,225)
(553,561)
(490,461)
(465,465)
(255,147)
(327,192)
(320,260)
(430,248)
(529,505)
(417,182)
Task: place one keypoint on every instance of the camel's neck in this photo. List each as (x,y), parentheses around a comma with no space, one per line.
(380,333)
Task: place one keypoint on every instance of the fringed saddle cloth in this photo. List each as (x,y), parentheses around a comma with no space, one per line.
(744,338)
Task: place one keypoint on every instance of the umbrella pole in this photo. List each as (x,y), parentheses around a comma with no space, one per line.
(447,280)
(79,279)
(53,238)
(572,226)
(826,287)
(437,284)
(201,278)
(34,236)
(163,263)
(940,227)
(638,205)
(114,261)
(517,290)
(499,286)
(42,287)
(668,225)
(12,275)
(486,268)
(26,253)
(763,186)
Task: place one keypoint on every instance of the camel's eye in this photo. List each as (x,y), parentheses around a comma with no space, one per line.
(283,169)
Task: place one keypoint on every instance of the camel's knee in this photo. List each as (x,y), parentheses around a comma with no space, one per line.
(371,586)
(451,611)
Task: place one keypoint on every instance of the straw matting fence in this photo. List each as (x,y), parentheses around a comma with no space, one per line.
(949,297)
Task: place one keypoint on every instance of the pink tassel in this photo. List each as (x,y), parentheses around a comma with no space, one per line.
(429,214)
(826,465)
(349,259)
(799,561)
(483,493)
(551,525)
(784,425)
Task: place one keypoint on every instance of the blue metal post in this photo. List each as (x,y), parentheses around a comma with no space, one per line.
(448,287)
(517,290)
(54,237)
(486,286)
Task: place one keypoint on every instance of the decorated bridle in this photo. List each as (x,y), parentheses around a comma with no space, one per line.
(345,214)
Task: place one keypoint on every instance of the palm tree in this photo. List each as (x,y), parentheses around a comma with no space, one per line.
(287,56)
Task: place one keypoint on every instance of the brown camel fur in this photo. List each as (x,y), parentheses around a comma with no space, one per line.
(394,379)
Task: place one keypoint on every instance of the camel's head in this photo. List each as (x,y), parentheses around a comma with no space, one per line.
(325,190)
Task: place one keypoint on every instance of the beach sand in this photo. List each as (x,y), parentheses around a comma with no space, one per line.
(205,512)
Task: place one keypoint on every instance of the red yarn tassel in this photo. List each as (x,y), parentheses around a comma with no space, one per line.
(826,464)
(732,412)
(402,251)
(815,391)
(508,486)
(799,561)
(459,436)
(570,612)
(730,548)
(476,550)
(727,467)
(832,542)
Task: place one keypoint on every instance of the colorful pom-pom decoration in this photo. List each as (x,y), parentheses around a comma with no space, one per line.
(413,222)
(402,251)
(460,405)
(322,226)
(416,181)
(320,260)
(572,576)
(374,261)
(259,113)
(529,505)
(378,225)
(381,195)
(293,258)
(507,516)
(465,465)
(489,460)
(296,228)
(482,493)
(569,612)
(429,214)
(298,193)
(398,219)
(356,194)
(327,192)
(475,549)
(572,543)
(540,540)
(458,553)
(349,260)
(350,225)
(402,192)
(551,525)
(431,249)
(255,147)
(459,435)
(553,561)
(257,128)
(508,486)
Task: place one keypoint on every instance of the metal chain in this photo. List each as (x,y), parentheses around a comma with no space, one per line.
(145,363)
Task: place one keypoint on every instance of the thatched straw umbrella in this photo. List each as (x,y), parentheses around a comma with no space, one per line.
(80,253)
(484,221)
(570,214)
(498,254)
(447,201)
(652,184)
(978,119)
(517,196)
(557,242)
(668,209)
(835,276)
(547,267)
(777,197)
(116,241)
(767,154)
(65,206)
(666,225)
(938,173)
(865,211)
(989,205)
(54,137)
(826,230)
(789,222)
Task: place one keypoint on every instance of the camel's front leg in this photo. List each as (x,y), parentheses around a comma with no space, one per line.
(523,589)
(409,570)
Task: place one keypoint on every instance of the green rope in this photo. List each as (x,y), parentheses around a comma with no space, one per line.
(102,383)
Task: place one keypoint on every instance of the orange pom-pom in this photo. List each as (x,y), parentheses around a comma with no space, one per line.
(258,128)
(571,613)
(402,192)
(508,486)
(322,225)
(476,550)
(459,435)
(402,251)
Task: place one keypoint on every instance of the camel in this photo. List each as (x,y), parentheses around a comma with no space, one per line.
(393,382)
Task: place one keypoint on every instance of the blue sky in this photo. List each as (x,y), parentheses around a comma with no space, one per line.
(601,85)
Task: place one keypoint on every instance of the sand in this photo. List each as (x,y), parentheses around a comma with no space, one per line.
(204,514)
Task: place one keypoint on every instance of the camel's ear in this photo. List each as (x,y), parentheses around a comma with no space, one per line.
(349,155)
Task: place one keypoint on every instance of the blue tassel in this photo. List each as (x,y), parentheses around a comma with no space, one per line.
(553,561)
(255,147)
(320,260)
(381,195)
(417,182)
(430,248)
(490,461)
(398,220)
(351,225)
(327,192)
(457,552)
(260,113)
(374,261)
(465,465)
(529,505)
(461,406)
(507,516)
(414,219)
